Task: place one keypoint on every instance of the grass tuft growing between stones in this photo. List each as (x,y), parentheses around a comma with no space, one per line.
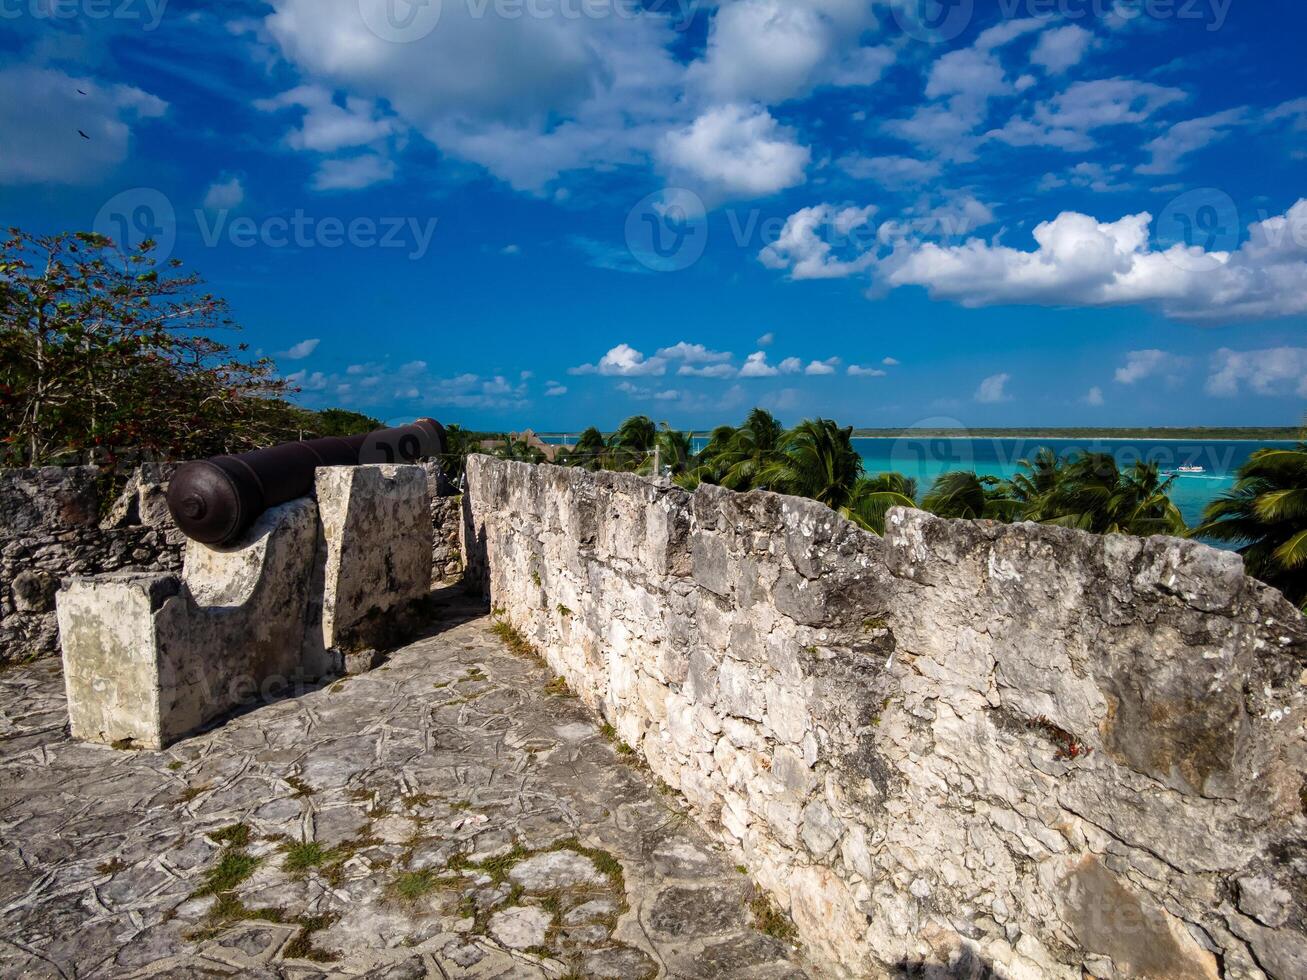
(412,885)
(771,921)
(515,641)
(302,948)
(304,855)
(233,867)
(237,835)
(608,865)
(558,688)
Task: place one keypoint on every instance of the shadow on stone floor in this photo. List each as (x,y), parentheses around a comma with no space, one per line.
(446,607)
(968,966)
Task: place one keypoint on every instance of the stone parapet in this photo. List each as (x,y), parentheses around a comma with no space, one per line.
(963,745)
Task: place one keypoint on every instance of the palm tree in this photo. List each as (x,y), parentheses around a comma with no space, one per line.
(1266,514)
(632,442)
(963,494)
(519,450)
(1044,472)
(872,497)
(815,459)
(1091,493)
(675,449)
(589,450)
(739,459)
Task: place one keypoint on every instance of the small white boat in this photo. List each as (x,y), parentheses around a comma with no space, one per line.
(1190,469)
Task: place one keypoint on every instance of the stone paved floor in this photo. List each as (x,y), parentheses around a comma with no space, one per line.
(447,815)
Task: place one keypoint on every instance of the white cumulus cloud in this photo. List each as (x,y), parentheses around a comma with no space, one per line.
(1274,371)
(41,112)
(624,361)
(808,242)
(1062,47)
(775,50)
(303,349)
(1143,364)
(994,389)
(223,195)
(756,366)
(735,151)
(1081,261)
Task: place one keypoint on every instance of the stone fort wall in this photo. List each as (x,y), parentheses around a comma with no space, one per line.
(53,526)
(987,746)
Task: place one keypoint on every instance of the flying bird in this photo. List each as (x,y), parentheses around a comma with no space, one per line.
(80,92)
(83,135)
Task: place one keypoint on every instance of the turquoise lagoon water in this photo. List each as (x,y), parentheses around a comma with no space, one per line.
(924,458)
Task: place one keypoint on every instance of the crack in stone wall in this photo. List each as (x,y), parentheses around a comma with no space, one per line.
(1013,746)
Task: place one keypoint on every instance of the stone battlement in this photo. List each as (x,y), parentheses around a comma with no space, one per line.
(965,743)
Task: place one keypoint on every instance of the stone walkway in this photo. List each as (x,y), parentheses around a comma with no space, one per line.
(449,814)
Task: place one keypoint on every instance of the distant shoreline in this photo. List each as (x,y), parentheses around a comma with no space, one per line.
(1197,434)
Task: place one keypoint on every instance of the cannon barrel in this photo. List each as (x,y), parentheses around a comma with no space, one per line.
(215,501)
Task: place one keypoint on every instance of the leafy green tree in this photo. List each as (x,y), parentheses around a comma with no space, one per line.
(103,352)
(815,459)
(1266,514)
(341,422)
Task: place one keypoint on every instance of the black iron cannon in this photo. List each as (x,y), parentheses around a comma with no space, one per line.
(215,501)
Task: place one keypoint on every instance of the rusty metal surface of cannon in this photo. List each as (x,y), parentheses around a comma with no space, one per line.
(215,501)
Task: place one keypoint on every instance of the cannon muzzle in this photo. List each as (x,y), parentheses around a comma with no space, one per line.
(215,501)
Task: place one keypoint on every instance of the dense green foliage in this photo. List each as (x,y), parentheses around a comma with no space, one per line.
(105,354)
(816,459)
(1266,514)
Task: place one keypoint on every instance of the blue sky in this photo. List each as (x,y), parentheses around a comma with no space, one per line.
(563,212)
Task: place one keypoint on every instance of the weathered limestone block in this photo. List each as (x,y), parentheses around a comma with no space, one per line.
(964,746)
(150,658)
(373,560)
